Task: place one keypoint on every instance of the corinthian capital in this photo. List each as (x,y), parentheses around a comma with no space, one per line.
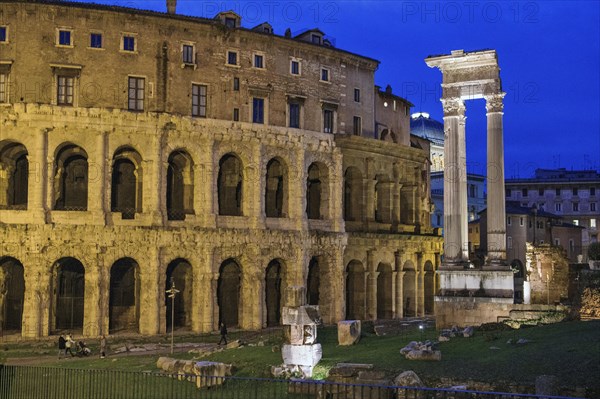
(494,102)
(453,106)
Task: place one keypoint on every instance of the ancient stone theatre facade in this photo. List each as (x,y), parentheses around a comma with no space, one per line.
(142,148)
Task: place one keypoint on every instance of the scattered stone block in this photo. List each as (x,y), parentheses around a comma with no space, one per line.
(468,332)
(301,355)
(424,355)
(210,373)
(304,315)
(349,332)
(523,341)
(234,344)
(443,338)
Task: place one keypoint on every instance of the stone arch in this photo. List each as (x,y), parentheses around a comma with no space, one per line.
(429,287)
(180,185)
(317,191)
(383,199)
(274,288)
(71,178)
(385,291)
(276,189)
(12,295)
(313,282)
(126,182)
(518,268)
(68,294)
(180,272)
(230,185)
(14,175)
(355,291)
(389,136)
(124,308)
(353,194)
(409,289)
(228,292)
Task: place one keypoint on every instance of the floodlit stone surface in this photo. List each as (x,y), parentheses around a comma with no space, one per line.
(348,332)
(302,355)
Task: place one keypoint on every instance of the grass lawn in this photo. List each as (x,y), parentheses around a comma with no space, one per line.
(569,350)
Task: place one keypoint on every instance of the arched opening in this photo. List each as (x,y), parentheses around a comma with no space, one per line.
(179,272)
(124,310)
(180,186)
(355,291)
(273,290)
(316,192)
(126,183)
(409,288)
(519,277)
(353,183)
(12,295)
(230,186)
(275,190)
(385,293)
(14,176)
(429,281)
(71,179)
(228,293)
(313,282)
(69,293)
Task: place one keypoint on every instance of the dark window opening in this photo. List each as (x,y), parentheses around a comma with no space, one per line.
(188,54)
(313,192)
(124,308)
(71,186)
(258,110)
(179,272)
(327,121)
(199,100)
(236,114)
(64,37)
(295,68)
(236,84)
(258,61)
(228,293)
(313,283)
(136,93)
(232,58)
(273,290)
(128,43)
(96,40)
(274,193)
(294,109)
(357,95)
(65,90)
(357,126)
(180,186)
(230,186)
(70,292)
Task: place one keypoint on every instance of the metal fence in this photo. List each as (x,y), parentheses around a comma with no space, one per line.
(21,382)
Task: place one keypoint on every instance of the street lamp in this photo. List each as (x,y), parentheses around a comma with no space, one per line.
(172,292)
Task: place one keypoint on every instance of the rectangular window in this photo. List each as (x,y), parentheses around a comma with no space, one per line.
(316,39)
(557,242)
(357,126)
(327,121)
(558,207)
(525,192)
(128,43)
(258,110)
(65,90)
(295,67)
(574,191)
(3,86)
(571,246)
(592,191)
(521,221)
(187,54)
(324,75)
(541,192)
(258,61)
(508,221)
(136,93)
(509,242)
(593,223)
(295,115)
(508,192)
(232,57)
(3,34)
(230,22)
(575,206)
(357,95)
(236,114)
(236,84)
(64,37)
(95,40)
(199,100)
(593,207)
(558,191)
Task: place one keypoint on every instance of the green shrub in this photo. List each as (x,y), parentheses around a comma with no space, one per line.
(594,251)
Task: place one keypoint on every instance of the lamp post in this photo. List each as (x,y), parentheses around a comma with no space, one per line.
(172,292)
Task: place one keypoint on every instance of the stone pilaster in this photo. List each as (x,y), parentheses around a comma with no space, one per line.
(148,301)
(399,292)
(37,177)
(455,202)
(96,179)
(496,207)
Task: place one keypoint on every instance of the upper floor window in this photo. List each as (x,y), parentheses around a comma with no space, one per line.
(3,34)
(230,22)
(232,58)
(295,67)
(357,95)
(508,192)
(540,192)
(508,221)
(592,191)
(294,110)
(199,100)
(95,40)
(65,37)
(357,126)
(236,84)
(328,120)
(65,90)
(187,54)
(558,191)
(593,206)
(258,110)
(259,61)
(137,87)
(3,88)
(575,206)
(558,207)
(574,191)
(525,192)
(521,221)
(129,43)
(325,75)
(236,114)
(316,39)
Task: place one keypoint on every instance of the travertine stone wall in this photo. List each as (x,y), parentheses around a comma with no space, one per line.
(547,269)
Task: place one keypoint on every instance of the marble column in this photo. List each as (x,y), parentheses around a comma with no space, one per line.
(496,210)
(455,179)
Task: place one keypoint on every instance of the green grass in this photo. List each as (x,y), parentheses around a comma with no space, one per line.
(569,350)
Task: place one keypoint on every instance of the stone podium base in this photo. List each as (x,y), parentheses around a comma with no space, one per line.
(476,283)
(470,311)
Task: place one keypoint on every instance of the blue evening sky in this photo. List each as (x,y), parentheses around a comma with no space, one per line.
(548,51)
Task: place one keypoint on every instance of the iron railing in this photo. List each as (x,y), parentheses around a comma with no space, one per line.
(26,382)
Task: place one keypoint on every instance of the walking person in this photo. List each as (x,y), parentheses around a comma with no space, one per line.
(61,347)
(223,331)
(102,346)
(69,344)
